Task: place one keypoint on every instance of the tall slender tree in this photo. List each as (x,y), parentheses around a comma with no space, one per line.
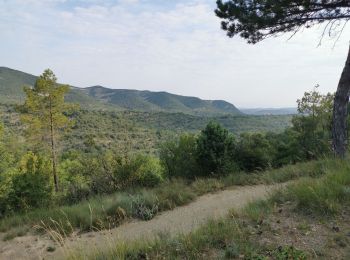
(255,20)
(44,114)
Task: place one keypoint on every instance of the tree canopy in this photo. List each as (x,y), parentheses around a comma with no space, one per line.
(256,20)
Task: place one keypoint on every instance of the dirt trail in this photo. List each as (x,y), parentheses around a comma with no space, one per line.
(180,220)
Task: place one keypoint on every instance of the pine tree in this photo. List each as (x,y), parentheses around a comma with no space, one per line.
(44,114)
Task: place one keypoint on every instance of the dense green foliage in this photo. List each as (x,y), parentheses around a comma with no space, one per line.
(87,174)
(254,152)
(95,168)
(211,153)
(140,131)
(215,150)
(179,157)
(31,186)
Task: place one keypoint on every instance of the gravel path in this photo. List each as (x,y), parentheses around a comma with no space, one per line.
(180,220)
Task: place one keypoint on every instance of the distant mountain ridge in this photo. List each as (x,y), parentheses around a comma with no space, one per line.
(98,97)
(160,101)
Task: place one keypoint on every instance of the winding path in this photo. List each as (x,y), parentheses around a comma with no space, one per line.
(182,219)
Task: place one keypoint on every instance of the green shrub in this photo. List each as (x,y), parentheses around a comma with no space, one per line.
(31,187)
(149,172)
(6,188)
(312,138)
(76,185)
(179,157)
(144,206)
(7,171)
(106,173)
(254,152)
(286,148)
(140,170)
(100,177)
(215,150)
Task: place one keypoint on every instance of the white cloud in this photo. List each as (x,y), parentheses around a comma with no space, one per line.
(128,1)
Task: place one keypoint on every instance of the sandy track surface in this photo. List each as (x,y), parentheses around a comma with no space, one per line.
(182,219)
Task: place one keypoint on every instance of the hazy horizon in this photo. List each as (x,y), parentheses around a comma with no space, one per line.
(177,47)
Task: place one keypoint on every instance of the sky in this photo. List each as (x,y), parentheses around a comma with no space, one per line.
(165,45)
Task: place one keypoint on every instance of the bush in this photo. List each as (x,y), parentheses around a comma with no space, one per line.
(149,172)
(314,141)
(254,152)
(6,186)
(7,171)
(75,184)
(144,206)
(215,150)
(84,175)
(100,170)
(31,187)
(179,157)
(286,148)
(139,170)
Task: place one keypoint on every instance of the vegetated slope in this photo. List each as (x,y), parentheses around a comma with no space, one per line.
(11,85)
(13,81)
(145,131)
(149,101)
(100,98)
(270,111)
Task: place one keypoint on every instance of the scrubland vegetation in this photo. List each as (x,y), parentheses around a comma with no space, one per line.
(49,181)
(181,164)
(306,220)
(106,211)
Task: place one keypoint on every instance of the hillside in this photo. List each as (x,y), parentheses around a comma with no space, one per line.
(270,111)
(11,90)
(11,83)
(101,98)
(160,101)
(145,131)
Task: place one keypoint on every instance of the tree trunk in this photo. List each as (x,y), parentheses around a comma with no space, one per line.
(54,160)
(340,111)
(53,151)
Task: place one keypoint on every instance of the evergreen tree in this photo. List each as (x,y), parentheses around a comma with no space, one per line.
(215,150)
(44,114)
